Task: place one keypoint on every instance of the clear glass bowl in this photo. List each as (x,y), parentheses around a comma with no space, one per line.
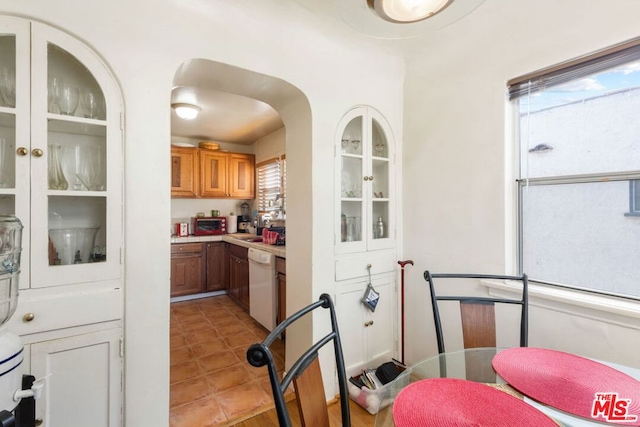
(71,245)
(10,249)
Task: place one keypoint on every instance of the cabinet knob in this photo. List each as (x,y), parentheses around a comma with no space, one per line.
(366,178)
(38,421)
(28,317)
(36,152)
(369,323)
(370,177)
(22,151)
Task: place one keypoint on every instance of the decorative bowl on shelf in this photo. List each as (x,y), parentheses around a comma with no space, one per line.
(71,245)
(209,145)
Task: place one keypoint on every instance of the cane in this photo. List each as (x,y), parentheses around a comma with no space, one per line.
(402,264)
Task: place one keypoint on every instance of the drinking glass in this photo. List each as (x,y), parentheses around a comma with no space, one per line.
(7,160)
(89,104)
(68,101)
(55,91)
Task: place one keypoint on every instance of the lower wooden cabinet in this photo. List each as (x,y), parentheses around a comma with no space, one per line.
(187,269)
(239,275)
(217,266)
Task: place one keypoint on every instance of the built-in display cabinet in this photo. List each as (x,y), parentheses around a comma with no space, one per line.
(60,174)
(365,242)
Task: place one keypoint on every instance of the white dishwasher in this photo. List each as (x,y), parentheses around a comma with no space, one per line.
(263,299)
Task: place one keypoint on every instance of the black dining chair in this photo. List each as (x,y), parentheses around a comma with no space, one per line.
(305,372)
(478,312)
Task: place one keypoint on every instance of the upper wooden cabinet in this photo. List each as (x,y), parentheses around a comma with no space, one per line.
(241,173)
(184,172)
(214,174)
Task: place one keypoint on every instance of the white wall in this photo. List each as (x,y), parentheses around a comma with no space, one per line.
(145,42)
(458,148)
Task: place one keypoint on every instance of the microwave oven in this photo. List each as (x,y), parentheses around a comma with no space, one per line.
(209,225)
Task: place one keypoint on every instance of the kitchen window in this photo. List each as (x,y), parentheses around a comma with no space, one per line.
(577,128)
(271,183)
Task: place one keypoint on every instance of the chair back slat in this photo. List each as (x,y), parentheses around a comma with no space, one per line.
(478,324)
(312,404)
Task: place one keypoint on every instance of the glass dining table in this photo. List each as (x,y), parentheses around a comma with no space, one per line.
(475,365)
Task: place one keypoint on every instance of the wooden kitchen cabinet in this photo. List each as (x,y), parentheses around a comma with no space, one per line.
(215,174)
(239,275)
(187,269)
(241,176)
(184,172)
(217,266)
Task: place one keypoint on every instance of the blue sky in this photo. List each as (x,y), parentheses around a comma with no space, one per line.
(623,77)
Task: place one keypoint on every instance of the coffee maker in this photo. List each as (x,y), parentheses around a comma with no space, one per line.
(244,219)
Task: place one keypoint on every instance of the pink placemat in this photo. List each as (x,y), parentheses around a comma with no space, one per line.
(572,384)
(460,403)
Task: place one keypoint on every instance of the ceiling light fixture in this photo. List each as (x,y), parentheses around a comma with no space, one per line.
(186,111)
(407,11)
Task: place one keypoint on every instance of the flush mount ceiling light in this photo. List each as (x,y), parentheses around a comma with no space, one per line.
(401,19)
(406,11)
(186,111)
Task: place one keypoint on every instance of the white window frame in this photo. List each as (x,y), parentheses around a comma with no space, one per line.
(267,199)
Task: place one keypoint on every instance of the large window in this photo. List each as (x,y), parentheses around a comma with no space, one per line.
(578,129)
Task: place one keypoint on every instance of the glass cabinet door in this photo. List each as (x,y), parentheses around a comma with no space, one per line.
(75,199)
(14,129)
(351,179)
(364,164)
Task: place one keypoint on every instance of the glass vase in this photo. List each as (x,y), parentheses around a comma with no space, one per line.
(57,181)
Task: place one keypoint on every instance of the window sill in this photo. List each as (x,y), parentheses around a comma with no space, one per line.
(632,214)
(604,308)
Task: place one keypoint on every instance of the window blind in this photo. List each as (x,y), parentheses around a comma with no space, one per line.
(574,69)
(269,184)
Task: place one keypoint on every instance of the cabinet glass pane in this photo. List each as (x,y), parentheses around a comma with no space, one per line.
(351,180)
(351,221)
(380,218)
(379,143)
(72,89)
(7,205)
(380,184)
(351,142)
(77,230)
(7,151)
(81,153)
(8,71)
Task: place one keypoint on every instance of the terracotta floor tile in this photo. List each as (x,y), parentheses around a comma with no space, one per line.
(191,318)
(189,390)
(243,399)
(196,326)
(184,308)
(243,339)
(205,412)
(231,329)
(241,314)
(177,341)
(228,319)
(209,347)
(218,361)
(185,370)
(229,378)
(201,335)
(180,355)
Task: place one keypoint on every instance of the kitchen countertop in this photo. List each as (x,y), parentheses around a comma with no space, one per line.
(234,239)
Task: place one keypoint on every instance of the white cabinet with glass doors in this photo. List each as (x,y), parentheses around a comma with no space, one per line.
(365,185)
(60,174)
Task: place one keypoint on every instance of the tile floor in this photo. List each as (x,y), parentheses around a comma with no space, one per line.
(212,383)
